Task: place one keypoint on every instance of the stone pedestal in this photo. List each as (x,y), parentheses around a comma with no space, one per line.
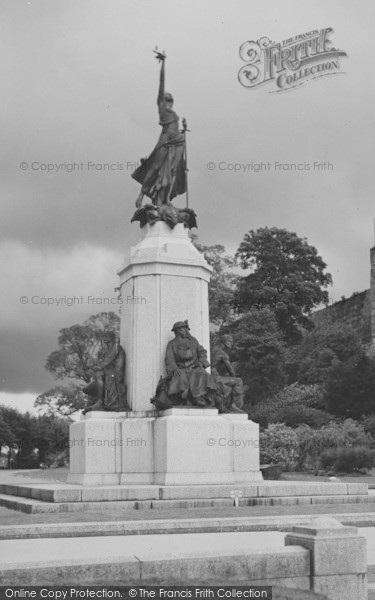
(183,446)
(338,558)
(166,280)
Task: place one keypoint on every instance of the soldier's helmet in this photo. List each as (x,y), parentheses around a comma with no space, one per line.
(180,324)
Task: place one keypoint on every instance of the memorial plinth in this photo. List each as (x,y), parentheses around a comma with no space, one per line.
(182,446)
(165,281)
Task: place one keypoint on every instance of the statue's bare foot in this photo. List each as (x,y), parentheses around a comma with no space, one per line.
(138,202)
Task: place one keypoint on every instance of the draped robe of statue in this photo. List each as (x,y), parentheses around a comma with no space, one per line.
(162,174)
(108,390)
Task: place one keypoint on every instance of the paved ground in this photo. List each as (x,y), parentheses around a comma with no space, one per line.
(25,551)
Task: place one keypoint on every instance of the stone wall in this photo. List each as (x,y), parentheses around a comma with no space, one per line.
(354,311)
(358,311)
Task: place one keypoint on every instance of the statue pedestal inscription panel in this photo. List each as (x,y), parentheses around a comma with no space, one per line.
(182,446)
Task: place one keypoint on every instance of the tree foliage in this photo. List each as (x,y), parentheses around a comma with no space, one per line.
(79,346)
(320,350)
(287,276)
(222,284)
(259,354)
(61,400)
(30,440)
(350,387)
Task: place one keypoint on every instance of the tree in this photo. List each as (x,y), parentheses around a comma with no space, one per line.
(350,387)
(287,277)
(222,284)
(320,350)
(79,346)
(75,360)
(61,400)
(50,436)
(260,353)
(31,440)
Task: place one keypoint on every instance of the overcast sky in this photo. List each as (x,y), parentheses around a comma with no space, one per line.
(79,85)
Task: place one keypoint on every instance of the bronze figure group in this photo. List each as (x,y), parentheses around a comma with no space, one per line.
(187,383)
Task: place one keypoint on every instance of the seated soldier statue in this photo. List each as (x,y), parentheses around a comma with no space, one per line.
(187,382)
(230,387)
(108,390)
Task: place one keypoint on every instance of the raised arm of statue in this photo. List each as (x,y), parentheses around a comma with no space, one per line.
(162,80)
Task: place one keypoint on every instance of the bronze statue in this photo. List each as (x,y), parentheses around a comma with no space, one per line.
(108,390)
(230,388)
(162,175)
(187,382)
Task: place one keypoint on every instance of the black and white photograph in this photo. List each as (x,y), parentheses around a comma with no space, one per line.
(187,324)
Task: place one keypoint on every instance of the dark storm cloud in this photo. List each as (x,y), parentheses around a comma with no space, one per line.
(22,359)
(80,85)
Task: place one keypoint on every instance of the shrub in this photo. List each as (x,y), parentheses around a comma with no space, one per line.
(299,415)
(369,425)
(297,394)
(348,460)
(293,405)
(28,462)
(302,447)
(313,442)
(279,444)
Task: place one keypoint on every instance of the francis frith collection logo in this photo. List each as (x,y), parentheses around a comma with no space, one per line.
(290,63)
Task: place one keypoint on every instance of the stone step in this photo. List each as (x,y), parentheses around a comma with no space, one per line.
(217,524)
(105,493)
(35,505)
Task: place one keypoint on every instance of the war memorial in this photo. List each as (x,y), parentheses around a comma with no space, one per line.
(164,427)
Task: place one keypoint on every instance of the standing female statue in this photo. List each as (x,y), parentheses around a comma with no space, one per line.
(162,174)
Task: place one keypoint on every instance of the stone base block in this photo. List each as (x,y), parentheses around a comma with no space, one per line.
(195,448)
(183,446)
(108,448)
